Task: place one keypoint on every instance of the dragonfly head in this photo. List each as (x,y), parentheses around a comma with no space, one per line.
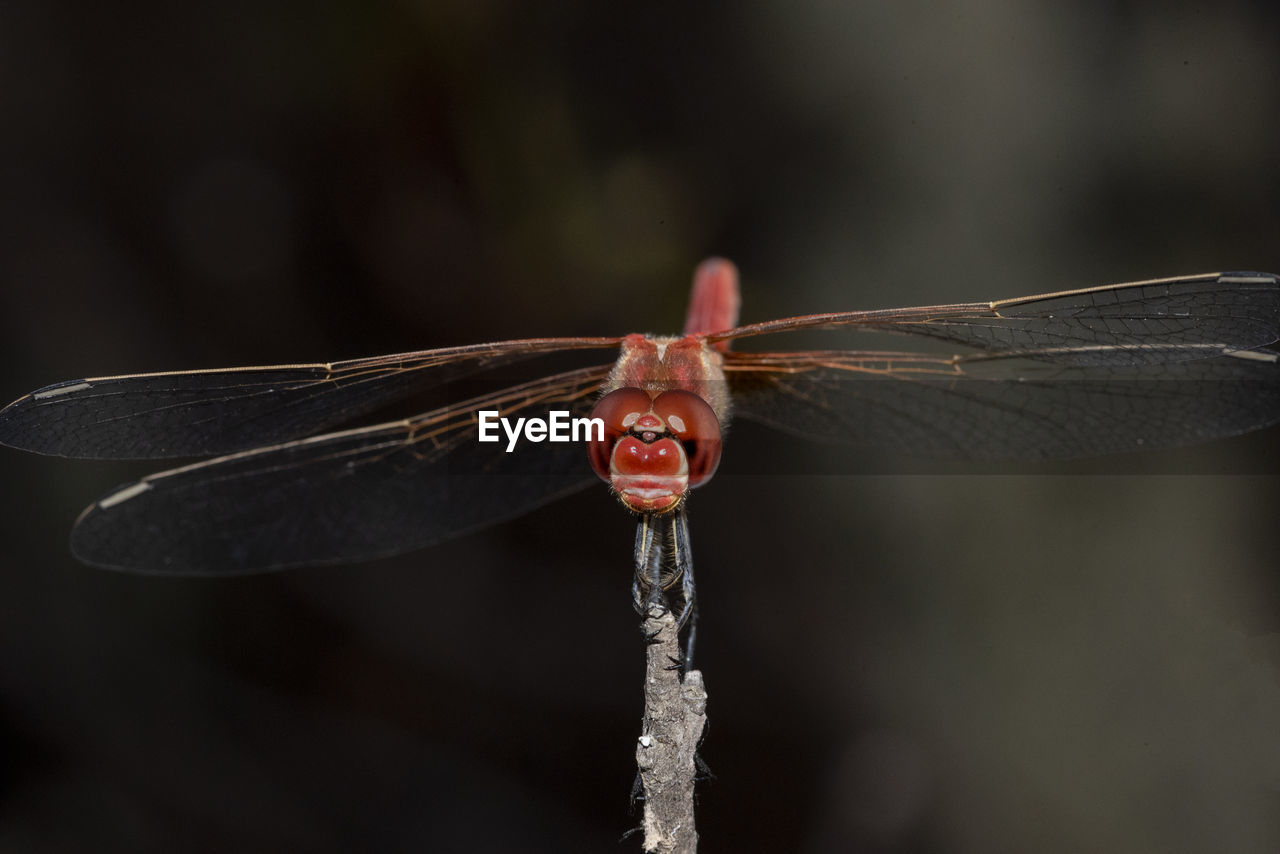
(655,447)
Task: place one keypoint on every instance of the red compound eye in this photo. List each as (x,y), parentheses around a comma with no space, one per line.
(619,410)
(693,422)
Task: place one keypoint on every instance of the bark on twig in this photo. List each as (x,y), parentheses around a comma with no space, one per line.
(675,712)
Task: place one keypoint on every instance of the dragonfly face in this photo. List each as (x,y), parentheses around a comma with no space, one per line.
(656,447)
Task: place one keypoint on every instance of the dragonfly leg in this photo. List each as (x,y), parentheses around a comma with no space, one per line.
(682,558)
(682,555)
(646,584)
(644,547)
(663,561)
(691,638)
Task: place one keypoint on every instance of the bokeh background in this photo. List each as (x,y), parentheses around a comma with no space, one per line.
(1056,660)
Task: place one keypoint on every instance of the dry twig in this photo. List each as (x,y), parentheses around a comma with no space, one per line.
(675,712)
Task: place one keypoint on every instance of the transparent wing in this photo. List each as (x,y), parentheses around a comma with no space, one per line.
(198,413)
(345,496)
(1005,407)
(1161,320)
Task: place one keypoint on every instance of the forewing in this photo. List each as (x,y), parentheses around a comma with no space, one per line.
(199,413)
(1156,321)
(995,407)
(344,496)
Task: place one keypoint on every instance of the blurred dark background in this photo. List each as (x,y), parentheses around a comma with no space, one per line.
(1049,662)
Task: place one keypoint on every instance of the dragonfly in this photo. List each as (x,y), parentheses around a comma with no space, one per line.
(1102,370)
